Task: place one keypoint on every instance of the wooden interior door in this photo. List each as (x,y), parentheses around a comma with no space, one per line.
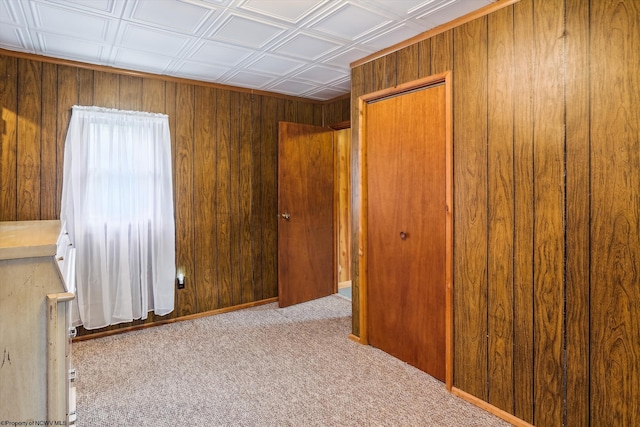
(406,214)
(306,237)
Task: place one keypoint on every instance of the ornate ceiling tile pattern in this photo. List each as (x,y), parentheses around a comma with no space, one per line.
(294,47)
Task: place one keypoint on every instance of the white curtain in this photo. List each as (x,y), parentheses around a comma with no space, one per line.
(117,204)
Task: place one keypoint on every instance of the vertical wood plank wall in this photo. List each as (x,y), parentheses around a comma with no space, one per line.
(614,37)
(546,126)
(224,146)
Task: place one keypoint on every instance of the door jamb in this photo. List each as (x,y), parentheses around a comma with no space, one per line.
(442,78)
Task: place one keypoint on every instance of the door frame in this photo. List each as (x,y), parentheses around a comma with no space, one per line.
(442,78)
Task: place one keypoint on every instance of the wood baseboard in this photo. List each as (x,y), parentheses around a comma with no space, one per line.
(490,408)
(355,338)
(175,319)
(345,284)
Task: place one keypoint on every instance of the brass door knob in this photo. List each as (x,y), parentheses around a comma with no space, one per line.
(403,235)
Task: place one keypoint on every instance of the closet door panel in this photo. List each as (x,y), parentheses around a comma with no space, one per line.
(388,270)
(406,227)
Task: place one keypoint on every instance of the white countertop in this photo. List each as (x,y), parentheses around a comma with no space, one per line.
(27,239)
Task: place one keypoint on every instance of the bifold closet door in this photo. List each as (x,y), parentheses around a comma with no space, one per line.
(406,214)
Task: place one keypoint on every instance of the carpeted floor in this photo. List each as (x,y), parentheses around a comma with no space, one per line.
(262,366)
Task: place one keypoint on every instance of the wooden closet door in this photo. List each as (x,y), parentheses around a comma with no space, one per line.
(406,214)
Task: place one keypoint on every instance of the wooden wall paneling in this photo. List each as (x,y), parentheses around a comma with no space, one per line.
(523,177)
(130,96)
(85,86)
(153,97)
(235,219)
(29,139)
(223,199)
(245,196)
(67,89)
(378,75)
(357,89)
(442,53)
(48,152)
(304,113)
(501,208)
(548,232)
(367,78)
(256,196)
(343,111)
(290,110)
(334,112)
(577,216)
(391,69)
(318,115)
(8,138)
(328,113)
(272,112)
(615,226)
(409,64)
(184,195)
(346,110)
(470,216)
(424,58)
(106,89)
(204,167)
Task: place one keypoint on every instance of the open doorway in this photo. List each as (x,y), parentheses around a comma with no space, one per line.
(342,142)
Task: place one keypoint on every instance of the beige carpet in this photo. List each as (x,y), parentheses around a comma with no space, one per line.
(262,366)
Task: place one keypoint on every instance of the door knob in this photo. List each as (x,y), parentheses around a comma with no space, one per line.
(286,216)
(403,235)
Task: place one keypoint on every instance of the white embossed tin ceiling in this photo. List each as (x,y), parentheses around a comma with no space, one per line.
(294,47)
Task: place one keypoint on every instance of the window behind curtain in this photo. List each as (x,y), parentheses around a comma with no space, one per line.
(117,205)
